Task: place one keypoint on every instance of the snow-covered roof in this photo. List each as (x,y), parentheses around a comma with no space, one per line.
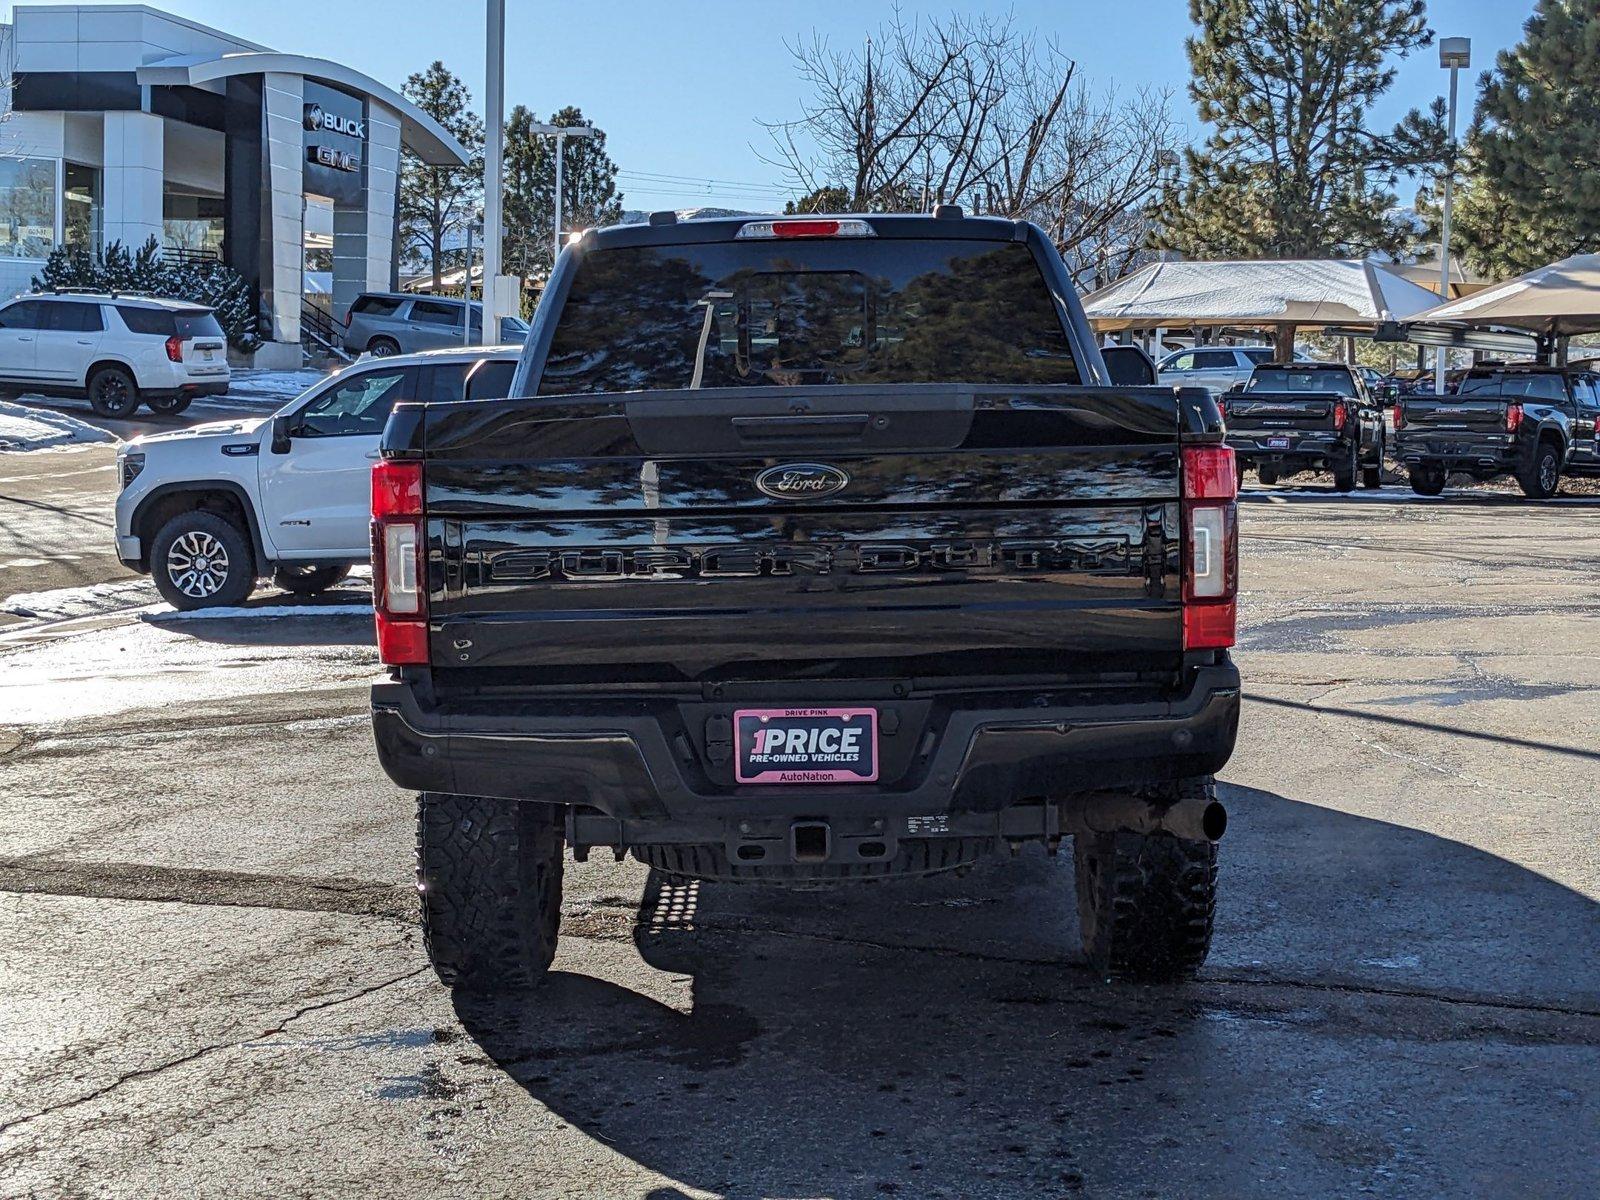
(1562,298)
(1334,291)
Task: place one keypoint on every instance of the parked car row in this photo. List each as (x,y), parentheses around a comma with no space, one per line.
(1531,423)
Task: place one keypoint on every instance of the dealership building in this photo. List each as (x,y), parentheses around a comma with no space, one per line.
(124,123)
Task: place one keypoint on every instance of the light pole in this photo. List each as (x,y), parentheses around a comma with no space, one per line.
(494,87)
(561,133)
(1454,53)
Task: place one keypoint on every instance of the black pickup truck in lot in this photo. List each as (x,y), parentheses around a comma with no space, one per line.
(1534,423)
(1303,416)
(805,551)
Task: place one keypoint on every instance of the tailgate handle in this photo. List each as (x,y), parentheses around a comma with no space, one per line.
(819,426)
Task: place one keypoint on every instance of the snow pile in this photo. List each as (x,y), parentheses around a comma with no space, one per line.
(62,603)
(24,428)
(162,612)
(249,383)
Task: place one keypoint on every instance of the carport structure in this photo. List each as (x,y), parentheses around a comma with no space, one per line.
(1273,297)
(1553,304)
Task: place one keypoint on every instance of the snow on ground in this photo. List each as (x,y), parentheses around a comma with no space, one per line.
(23,428)
(250,383)
(140,596)
(163,612)
(63,603)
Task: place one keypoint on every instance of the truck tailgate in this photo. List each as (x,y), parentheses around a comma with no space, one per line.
(924,530)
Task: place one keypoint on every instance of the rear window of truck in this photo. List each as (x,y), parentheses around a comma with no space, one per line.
(1514,385)
(791,314)
(1312,383)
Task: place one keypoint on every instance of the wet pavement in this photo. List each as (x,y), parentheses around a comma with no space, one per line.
(214,988)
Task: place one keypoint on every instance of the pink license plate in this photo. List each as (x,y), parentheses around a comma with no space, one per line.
(805,745)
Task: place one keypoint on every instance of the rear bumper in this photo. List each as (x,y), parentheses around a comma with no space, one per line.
(623,762)
(1303,450)
(1462,451)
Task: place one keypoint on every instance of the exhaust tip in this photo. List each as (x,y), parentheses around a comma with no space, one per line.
(1214,822)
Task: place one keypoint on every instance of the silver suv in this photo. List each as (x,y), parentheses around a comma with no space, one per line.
(1215,367)
(385,323)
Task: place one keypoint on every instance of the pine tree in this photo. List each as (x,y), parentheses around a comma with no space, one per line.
(436,203)
(589,195)
(1290,168)
(1532,193)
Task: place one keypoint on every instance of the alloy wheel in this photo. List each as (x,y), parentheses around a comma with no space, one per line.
(197,564)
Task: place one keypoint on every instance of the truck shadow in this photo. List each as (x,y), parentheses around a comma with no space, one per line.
(942,1038)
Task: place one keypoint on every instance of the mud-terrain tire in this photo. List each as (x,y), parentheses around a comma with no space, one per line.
(489,879)
(1540,478)
(307,581)
(1267,475)
(1427,481)
(1146,902)
(200,559)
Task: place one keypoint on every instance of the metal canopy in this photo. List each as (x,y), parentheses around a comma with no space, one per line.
(1559,300)
(1275,294)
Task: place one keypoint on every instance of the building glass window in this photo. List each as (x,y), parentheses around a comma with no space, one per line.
(192,222)
(27,207)
(80,212)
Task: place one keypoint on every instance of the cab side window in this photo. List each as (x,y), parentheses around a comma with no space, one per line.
(23,315)
(73,317)
(359,404)
(432,312)
(1184,362)
(1214,360)
(491,379)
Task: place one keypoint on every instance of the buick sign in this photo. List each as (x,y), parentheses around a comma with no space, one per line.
(318,117)
(802,481)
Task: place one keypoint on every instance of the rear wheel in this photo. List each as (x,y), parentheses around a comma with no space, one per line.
(168,406)
(1427,481)
(1372,476)
(1267,475)
(308,580)
(489,877)
(382,347)
(1541,477)
(200,559)
(1346,467)
(113,392)
(1146,901)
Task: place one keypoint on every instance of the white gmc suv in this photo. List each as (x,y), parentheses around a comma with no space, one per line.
(117,350)
(208,510)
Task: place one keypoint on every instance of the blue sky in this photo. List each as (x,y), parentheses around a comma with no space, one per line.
(678,87)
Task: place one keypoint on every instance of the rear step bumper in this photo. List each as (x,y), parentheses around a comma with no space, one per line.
(1463,450)
(986,759)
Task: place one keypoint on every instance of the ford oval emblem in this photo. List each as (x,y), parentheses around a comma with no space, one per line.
(802,481)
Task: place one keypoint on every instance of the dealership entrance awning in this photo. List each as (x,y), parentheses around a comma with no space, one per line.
(1272,295)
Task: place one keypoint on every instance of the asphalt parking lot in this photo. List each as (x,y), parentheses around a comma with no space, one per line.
(213,985)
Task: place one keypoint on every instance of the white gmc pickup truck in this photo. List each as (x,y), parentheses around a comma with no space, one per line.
(209,510)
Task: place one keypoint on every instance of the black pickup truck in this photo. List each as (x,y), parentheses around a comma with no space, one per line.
(808,550)
(1303,416)
(1534,423)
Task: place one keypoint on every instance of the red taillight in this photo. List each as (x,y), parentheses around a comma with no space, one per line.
(1210,547)
(1513,417)
(1340,415)
(349,315)
(1399,414)
(399,562)
(175,348)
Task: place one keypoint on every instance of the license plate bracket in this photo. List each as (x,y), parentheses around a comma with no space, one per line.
(805,745)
